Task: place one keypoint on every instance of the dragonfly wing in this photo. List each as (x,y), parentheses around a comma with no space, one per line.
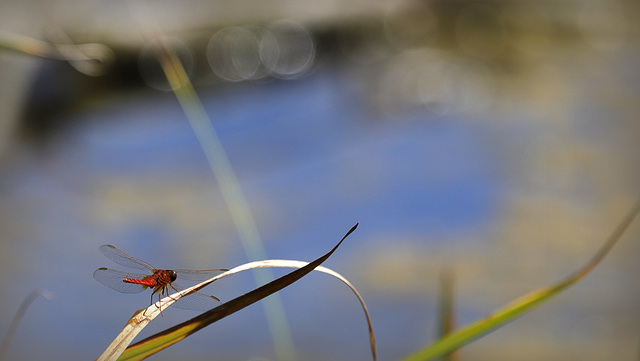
(199,275)
(123,259)
(196,301)
(113,279)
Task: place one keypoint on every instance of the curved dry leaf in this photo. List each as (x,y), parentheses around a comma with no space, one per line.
(142,317)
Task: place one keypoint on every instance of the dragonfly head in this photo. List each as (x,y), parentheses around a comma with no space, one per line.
(172,275)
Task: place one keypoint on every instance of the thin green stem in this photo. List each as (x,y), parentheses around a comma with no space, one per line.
(232,194)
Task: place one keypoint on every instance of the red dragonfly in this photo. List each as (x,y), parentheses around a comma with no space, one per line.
(159,280)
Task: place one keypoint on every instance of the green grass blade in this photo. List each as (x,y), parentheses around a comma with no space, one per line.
(162,340)
(521,305)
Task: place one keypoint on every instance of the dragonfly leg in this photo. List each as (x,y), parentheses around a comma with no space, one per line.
(166,289)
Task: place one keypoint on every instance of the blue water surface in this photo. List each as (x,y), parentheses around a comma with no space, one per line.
(312,159)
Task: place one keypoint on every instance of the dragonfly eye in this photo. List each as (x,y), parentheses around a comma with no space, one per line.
(173,275)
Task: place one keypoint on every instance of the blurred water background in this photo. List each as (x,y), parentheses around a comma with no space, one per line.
(497,140)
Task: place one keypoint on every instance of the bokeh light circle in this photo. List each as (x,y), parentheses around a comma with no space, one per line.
(287,49)
(234,55)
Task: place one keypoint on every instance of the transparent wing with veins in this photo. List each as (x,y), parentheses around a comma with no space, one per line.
(197,301)
(113,279)
(198,275)
(124,259)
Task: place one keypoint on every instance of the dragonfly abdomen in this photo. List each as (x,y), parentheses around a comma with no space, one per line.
(148,282)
